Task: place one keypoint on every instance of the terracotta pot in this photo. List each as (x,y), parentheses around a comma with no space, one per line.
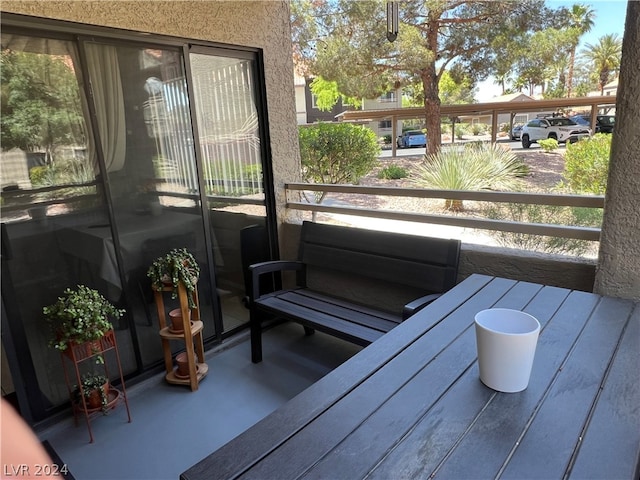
(95,400)
(183,364)
(177,325)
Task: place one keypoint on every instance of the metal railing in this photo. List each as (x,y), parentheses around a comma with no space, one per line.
(545,229)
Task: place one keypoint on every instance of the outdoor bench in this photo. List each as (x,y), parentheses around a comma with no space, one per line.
(353,283)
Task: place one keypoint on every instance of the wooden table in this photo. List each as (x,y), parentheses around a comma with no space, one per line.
(411,405)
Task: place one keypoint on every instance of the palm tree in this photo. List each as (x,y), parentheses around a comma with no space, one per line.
(580,20)
(605,56)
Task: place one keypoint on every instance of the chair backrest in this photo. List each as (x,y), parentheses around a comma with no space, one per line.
(429,264)
(254,248)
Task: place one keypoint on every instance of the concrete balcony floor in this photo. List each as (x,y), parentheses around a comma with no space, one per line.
(172,428)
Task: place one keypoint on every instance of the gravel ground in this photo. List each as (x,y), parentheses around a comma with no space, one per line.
(545,170)
(545,173)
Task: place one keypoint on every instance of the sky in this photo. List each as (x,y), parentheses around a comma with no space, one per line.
(609,18)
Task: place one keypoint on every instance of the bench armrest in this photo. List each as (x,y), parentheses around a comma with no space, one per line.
(261,268)
(418,304)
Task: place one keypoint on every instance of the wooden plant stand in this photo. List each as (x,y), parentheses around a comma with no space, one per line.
(191,336)
(77,353)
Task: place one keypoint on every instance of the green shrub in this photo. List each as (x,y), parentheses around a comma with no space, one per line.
(548,144)
(587,164)
(337,153)
(393,172)
(42,176)
(483,167)
(477,129)
(461,130)
(546,214)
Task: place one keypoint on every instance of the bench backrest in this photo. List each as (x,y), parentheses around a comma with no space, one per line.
(427,264)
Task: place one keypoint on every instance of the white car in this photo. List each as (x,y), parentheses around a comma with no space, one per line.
(562,129)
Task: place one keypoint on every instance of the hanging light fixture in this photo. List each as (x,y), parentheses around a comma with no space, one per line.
(392,20)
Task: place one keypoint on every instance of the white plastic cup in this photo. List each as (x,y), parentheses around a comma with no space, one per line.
(506,340)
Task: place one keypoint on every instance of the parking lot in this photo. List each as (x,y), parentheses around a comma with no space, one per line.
(515,145)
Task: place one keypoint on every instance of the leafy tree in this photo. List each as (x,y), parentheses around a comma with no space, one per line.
(579,19)
(40,102)
(539,51)
(557,73)
(336,153)
(327,94)
(605,56)
(347,44)
(455,88)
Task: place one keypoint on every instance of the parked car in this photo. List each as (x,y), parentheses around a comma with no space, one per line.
(516,131)
(562,129)
(412,138)
(604,123)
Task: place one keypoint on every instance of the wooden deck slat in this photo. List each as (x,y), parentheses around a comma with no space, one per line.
(561,328)
(551,438)
(395,423)
(327,305)
(245,450)
(345,304)
(342,328)
(432,379)
(412,406)
(613,429)
(453,348)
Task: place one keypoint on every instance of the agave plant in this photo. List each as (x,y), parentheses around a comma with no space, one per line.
(478,167)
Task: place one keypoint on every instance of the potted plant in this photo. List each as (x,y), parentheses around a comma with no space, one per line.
(177,266)
(95,390)
(79,316)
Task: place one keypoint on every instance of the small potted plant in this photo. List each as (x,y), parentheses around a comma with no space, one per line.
(79,316)
(95,390)
(169,270)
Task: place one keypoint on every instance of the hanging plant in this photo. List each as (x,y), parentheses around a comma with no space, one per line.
(177,266)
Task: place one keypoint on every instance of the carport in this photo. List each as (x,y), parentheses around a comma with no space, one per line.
(488,108)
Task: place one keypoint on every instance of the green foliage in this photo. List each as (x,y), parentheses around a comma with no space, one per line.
(455,87)
(80,315)
(478,128)
(327,95)
(176,267)
(223,177)
(61,172)
(544,214)
(548,144)
(94,382)
(481,167)
(42,176)
(393,172)
(40,102)
(337,152)
(344,41)
(605,56)
(587,164)
(461,130)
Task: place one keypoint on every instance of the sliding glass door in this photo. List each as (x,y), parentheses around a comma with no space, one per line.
(115,152)
(52,190)
(224,93)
